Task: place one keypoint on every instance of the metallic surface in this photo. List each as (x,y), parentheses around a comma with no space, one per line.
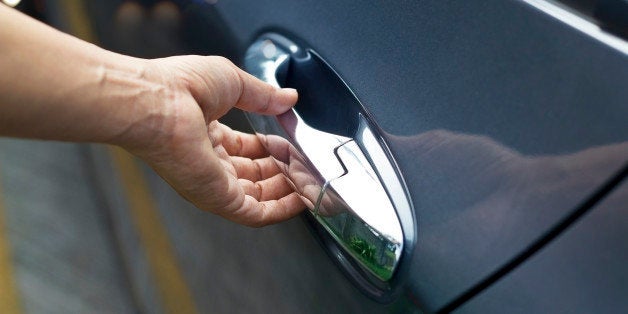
(502,118)
(332,173)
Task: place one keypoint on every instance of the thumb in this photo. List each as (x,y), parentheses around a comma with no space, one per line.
(260,97)
(218,85)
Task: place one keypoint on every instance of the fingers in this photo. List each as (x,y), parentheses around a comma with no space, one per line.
(254,169)
(202,159)
(262,203)
(218,85)
(242,144)
(236,143)
(258,214)
(260,97)
(272,188)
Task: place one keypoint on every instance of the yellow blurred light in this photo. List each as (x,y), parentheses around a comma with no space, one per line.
(11,3)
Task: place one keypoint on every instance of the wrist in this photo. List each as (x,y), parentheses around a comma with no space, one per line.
(132,96)
(151,106)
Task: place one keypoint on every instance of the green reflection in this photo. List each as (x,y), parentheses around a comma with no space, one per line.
(374,252)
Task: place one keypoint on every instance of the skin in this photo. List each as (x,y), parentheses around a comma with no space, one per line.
(56,87)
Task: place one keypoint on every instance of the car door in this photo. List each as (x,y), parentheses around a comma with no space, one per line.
(505,122)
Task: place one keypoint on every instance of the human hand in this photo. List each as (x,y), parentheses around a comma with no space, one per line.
(217,169)
(161,110)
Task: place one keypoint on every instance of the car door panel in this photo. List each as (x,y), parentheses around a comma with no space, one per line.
(582,271)
(503,119)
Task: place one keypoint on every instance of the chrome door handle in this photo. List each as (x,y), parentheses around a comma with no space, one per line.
(329,150)
(267,60)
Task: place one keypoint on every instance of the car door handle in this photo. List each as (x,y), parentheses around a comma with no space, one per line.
(328,148)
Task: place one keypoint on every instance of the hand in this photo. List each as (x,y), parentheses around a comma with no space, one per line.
(219,170)
(162,110)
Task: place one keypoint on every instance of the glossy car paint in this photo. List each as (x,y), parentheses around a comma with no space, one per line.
(582,271)
(504,121)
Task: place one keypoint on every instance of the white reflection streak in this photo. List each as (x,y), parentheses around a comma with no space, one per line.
(580,24)
(270,69)
(391,182)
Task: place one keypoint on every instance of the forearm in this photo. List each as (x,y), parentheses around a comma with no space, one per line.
(54,86)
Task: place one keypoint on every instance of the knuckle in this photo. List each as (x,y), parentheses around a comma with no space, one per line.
(257,169)
(268,99)
(259,191)
(239,146)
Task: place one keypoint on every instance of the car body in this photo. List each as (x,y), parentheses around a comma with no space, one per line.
(507,123)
